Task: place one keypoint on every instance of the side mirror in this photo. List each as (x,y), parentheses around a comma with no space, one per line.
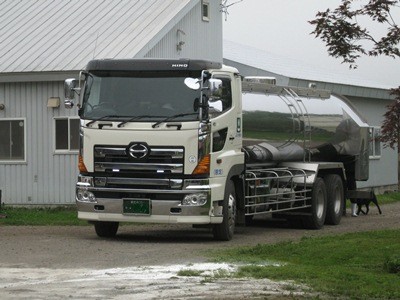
(70,86)
(192,83)
(215,87)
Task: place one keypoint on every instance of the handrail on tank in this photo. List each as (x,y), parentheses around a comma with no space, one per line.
(274,187)
(259,85)
(307,127)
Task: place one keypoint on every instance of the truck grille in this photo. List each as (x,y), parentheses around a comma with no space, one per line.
(160,160)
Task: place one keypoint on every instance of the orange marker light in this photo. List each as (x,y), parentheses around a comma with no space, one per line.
(203,167)
(81,165)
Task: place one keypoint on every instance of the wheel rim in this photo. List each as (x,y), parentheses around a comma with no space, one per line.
(231,212)
(320,204)
(337,201)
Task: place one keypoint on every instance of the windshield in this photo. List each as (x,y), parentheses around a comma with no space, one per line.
(147,96)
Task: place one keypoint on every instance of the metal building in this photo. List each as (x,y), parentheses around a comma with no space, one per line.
(44,42)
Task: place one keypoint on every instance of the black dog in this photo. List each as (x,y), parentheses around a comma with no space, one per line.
(366,201)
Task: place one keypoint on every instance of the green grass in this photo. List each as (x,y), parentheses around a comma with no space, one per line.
(40,216)
(189,273)
(357,265)
(388,198)
(383,199)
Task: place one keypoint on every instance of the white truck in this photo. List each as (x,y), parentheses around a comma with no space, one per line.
(172,141)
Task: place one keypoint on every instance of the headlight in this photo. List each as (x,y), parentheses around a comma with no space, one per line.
(85,180)
(83,195)
(195,199)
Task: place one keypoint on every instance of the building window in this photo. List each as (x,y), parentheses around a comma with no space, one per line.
(12,140)
(205,10)
(374,142)
(66,134)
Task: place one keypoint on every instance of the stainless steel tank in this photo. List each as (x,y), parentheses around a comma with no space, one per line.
(292,124)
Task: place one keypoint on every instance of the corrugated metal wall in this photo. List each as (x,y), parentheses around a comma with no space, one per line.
(202,40)
(46,177)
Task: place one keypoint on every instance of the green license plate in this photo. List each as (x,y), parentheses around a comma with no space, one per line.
(137,206)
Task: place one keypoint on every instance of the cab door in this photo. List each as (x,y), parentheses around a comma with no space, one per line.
(226,125)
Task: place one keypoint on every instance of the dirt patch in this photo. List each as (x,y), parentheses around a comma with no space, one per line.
(151,282)
(66,256)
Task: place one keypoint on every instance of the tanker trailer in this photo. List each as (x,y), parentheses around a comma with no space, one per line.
(305,149)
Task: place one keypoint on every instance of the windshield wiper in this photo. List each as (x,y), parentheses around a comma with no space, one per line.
(171,118)
(137,118)
(104,118)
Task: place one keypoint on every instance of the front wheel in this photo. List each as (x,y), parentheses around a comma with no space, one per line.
(106,229)
(316,219)
(225,230)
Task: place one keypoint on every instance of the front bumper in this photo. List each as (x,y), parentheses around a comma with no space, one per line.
(166,205)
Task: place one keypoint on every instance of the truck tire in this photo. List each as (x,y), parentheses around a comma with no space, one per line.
(225,230)
(335,194)
(106,229)
(316,219)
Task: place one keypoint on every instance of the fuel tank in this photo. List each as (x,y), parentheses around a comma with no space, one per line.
(291,124)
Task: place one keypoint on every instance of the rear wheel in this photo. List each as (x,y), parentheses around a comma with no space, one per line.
(225,230)
(335,199)
(106,229)
(316,219)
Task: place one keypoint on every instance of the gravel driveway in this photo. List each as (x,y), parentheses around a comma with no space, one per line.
(58,262)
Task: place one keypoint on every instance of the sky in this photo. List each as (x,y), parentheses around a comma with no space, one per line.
(280,27)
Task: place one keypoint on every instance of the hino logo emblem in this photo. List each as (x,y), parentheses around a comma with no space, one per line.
(180,65)
(138,150)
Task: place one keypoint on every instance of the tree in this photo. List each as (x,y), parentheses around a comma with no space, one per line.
(390,134)
(346,38)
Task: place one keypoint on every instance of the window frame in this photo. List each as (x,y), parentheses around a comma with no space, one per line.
(14,161)
(64,151)
(224,76)
(205,4)
(374,133)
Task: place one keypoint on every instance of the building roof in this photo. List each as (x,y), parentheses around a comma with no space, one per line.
(291,68)
(59,35)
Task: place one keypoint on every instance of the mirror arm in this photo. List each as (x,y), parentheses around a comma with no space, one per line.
(77,91)
(202,109)
(79,88)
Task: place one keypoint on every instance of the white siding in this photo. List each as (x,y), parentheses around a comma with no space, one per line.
(203,40)
(45,178)
(382,171)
